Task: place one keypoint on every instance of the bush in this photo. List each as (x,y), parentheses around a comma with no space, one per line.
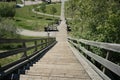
(8,29)
(7,9)
(43,7)
(97,20)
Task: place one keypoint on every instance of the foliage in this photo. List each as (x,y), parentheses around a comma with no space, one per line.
(7,9)
(97,20)
(8,29)
(43,7)
(49,7)
(53,10)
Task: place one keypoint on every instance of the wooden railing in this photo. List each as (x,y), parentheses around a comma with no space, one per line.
(80,45)
(29,53)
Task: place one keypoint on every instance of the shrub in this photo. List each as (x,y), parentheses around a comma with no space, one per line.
(97,20)
(8,29)
(43,7)
(7,9)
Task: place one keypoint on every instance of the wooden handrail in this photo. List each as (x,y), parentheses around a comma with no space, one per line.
(108,46)
(2,40)
(45,44)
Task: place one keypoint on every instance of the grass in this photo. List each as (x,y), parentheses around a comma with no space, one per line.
(9,59)
(25,18)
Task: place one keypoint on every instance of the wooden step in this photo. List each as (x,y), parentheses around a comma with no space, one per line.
(33,77)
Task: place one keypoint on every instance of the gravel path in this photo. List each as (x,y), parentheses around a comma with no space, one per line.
(33,2)
(36,33)
(37,2)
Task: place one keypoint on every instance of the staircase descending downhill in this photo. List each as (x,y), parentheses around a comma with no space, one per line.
(59,63)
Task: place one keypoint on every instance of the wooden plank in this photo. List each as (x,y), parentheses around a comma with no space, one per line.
(107,46)
(16,40)
(109,65)
(11,52)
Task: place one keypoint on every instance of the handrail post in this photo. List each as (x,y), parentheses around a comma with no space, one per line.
(35,42)
(88,48)
(49,40)
(52,40)
(25,52)
(77,43)
(47,43)
(42,44)
(105,70)
(107,57)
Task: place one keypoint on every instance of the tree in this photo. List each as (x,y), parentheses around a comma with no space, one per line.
(43,7)
(96,20)
(53,11)
(8,29)
(7,9)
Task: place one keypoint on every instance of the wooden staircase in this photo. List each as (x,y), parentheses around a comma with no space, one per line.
(59,63)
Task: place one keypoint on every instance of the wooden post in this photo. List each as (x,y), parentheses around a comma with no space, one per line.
(78,44)
(49,41)
(25,52)
(107,57)
(46,41)
(42,46)
(105,70)
(88,48)
(35,42)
